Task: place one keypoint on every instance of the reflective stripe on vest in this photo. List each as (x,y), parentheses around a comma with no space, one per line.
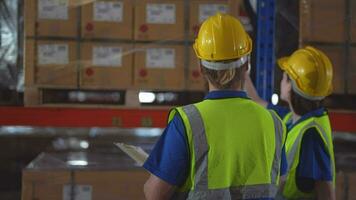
(293,151)
(201,190)
(291,190)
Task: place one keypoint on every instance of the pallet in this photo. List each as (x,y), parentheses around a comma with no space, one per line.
(74,98)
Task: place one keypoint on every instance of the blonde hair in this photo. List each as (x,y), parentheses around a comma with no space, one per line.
(225,79)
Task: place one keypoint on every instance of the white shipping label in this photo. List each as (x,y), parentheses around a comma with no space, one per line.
(161,13)
(108,11)
(53,9)
(107,56)
(56,54)
(207,10)
(160,58)
(77,192)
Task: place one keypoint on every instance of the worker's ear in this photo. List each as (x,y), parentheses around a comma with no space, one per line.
(201,68)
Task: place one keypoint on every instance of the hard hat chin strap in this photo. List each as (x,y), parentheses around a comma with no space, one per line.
(223,66)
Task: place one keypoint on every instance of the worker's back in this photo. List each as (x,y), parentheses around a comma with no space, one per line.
(235,147)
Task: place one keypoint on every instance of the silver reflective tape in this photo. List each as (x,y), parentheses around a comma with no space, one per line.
(232,193)
(200,147)
(223,66)
(278,126)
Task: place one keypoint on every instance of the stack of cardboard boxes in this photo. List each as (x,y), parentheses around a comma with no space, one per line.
(82,175)
(115,44)
(331,26)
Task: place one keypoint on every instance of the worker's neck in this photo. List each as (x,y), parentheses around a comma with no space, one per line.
(238,87)
(295,116)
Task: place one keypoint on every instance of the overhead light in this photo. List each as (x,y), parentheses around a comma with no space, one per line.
(146,97)
(84,144)
(77,162)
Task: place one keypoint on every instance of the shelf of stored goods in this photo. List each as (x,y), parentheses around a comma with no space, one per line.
(341,121)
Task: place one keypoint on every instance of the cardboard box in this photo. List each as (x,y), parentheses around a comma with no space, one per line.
(51,63)
(340,185)
(50,18)
(201,10)
(106,66)
(352,185)
(113,185)
(108,19)
(159,20)
(353,21)
(43,185)
(351,80)
(337,56)
(322,21)
(159,67)
(195,80)
(83,175)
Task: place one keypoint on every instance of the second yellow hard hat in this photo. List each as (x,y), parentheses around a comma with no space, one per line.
(311,72)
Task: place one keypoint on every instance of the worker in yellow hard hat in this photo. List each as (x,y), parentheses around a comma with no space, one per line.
(307,80)
(226,146)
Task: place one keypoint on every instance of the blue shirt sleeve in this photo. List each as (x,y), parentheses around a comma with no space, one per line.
(314,161)
(169,159)
(284,163)
(280,110)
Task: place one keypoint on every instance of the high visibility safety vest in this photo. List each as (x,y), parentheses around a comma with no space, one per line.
(235,149)
(293,145)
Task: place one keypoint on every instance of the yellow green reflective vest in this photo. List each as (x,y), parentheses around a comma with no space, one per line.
(293,145)
(235,149)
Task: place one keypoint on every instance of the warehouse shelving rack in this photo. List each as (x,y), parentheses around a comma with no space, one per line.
(342,121)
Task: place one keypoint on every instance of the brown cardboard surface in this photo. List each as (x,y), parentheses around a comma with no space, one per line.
(145,31)
(195,80)
(111,185)
(197,6)
(337,55)
(340,185)
(44,185)
(108,28)
(106,77)
(48,27)
(351,87)
(353,21)
(322,21)
(29,61)
(158,78)
(352,186)
(104,184)
(51,75)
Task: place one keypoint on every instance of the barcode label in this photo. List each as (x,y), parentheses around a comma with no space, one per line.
(160,13)
(207,10)
(160,58)
(107,56)
(53,54)
(81,192)
(108,11)
(53,9)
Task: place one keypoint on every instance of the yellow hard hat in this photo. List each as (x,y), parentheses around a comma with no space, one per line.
(311,72)
(222,37)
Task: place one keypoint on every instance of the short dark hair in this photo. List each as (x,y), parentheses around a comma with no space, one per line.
(225,79)
(301,105)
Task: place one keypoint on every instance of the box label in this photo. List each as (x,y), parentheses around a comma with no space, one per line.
(53,9)
(160,58)
(207,10)
(107,56)
(77,192)
(56,54)
(161,13)
(108,11)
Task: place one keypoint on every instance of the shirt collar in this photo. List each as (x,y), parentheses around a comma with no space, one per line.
(223,94)
(315,113)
